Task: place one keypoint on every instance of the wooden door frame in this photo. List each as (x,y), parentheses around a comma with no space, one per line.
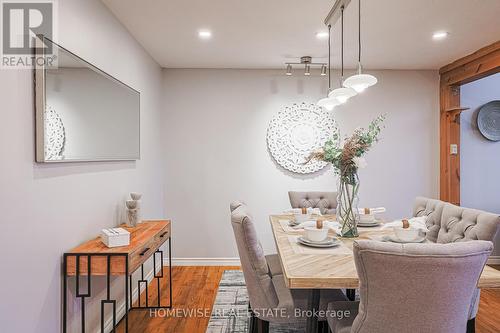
(477,65)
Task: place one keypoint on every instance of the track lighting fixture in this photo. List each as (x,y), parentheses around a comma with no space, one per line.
(306,61)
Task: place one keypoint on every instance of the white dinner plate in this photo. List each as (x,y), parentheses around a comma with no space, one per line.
(373,224)
(367,218)
(394,239)
(329,242)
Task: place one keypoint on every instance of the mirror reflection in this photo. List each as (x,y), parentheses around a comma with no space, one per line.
(88,115)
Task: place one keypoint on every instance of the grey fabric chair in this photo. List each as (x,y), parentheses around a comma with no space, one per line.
(264,281)
(449,223)
(412,287)
(325,201)
(433,209)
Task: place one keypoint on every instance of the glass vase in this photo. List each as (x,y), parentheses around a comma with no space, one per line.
(347,206)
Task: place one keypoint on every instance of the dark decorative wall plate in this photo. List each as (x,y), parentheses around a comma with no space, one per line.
(488,120)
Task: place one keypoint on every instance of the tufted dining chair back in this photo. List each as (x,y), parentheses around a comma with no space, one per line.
(448,223)
(460,224)
(325,201)
(258,279)
(433,209)
(399,284)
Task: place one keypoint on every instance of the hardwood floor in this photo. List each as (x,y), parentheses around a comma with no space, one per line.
(488,319)
(194,288)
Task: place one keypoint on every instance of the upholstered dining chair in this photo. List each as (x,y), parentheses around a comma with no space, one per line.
(270,299)
(448,223)
(412,287)
(433,209)
(325,201)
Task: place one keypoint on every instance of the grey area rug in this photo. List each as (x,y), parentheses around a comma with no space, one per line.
(230,311)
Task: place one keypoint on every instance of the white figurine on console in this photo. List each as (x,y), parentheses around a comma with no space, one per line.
(134,209)
(132,217)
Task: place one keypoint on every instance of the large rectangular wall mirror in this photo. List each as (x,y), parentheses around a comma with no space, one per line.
(82,113)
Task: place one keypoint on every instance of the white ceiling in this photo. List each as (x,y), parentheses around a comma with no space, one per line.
(267,33)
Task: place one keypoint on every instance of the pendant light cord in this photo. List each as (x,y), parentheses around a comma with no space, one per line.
(359,32)
(329,57)
(342,41)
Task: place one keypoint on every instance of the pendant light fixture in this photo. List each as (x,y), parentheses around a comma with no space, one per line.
(328,103)
(359,82)
(342,94)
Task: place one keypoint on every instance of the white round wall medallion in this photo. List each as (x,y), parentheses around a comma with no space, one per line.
(295,132)
(55,135)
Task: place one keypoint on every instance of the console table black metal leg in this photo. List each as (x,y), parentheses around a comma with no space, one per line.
(471,325)
(87,294)
(128,286)
(64,291)
(170,268)
(127,308)
(82,296)
(158,276)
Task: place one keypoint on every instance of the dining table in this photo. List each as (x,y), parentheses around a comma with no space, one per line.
(332,268)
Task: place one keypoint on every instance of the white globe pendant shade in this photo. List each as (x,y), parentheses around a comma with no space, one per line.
(342,94)
(360,82)
(328,103)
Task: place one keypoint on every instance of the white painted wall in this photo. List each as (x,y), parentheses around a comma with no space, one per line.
(479,157)
(215,124)
(48,209)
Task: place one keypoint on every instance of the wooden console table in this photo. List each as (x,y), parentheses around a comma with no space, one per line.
(93,258)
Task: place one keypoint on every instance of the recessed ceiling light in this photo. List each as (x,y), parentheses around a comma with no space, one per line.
(322,35)
(204,34)
(438,35)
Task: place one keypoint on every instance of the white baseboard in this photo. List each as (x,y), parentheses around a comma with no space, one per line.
(494,260)
(203,261)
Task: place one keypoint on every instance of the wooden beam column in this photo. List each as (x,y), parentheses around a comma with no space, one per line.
(475,66)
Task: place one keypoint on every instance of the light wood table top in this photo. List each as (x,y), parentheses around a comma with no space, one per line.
(335,268)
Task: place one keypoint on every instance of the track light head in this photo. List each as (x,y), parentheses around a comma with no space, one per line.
(323,70)
(307,70)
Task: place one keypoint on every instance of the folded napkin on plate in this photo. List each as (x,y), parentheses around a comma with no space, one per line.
(315,211)
(415,222)
(334,225)
(377,210)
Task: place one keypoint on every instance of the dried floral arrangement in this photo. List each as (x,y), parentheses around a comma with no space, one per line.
(347,156)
